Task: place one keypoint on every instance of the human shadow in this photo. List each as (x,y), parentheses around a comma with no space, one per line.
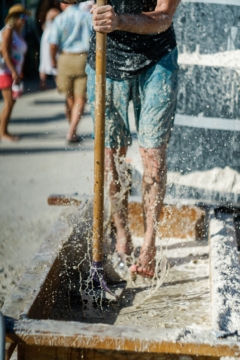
(48,102)
(186,244)
(176,261)
(28,151)
(42,135)
(186,259)
(38,120)
(86,144)
(50,135)
(185,281)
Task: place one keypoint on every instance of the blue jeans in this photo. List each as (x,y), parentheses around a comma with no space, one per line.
(154,96)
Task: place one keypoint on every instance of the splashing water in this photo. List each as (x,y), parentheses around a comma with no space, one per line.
(120,263)
(76,257)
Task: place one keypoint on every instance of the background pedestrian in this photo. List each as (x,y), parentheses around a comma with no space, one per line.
(70,36)
(45,66)
(86,5)
(13,49)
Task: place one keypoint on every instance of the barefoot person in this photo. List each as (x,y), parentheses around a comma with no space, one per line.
(142,67)
(13,49)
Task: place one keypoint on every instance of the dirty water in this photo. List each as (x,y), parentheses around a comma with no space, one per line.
(182,300)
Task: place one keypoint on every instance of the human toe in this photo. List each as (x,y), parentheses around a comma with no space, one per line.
(134,268)
(147,273)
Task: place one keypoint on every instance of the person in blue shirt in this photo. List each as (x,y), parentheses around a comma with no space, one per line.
(69,37)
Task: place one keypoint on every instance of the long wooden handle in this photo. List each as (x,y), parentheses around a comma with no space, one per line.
(98,211)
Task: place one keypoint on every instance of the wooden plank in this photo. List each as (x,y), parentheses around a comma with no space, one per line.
(21,352)
(49,353)
(106,337)
(224,273)
(9,349)
(64,200)
(175,221)
(179,222)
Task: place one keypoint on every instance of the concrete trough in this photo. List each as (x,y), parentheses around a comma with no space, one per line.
(39,334)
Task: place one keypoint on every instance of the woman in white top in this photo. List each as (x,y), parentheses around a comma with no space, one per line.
(86,6)
(45,66)
(13,49)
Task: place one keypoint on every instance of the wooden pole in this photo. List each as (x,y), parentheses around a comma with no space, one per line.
(99,143)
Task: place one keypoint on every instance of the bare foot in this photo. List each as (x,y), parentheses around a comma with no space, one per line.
(146,262)
(43,86)
(8,137)
(124,245)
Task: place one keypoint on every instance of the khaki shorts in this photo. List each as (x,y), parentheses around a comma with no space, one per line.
(71,78)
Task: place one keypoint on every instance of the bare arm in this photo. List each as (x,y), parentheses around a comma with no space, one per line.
(6,52)
(157,21)
(53,52)
(51,14)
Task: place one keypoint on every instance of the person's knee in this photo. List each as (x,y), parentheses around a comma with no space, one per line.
(80,100)
(155,167)
(69,101)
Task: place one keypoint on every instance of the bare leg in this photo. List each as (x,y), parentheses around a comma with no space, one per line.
(153,189)
(124,242)
(5,115)
(77,111)
(43,80)
(68,109)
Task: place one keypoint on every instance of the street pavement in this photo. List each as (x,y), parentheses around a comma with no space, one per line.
(39,164)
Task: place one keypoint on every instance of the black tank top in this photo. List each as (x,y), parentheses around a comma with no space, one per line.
(129,54)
